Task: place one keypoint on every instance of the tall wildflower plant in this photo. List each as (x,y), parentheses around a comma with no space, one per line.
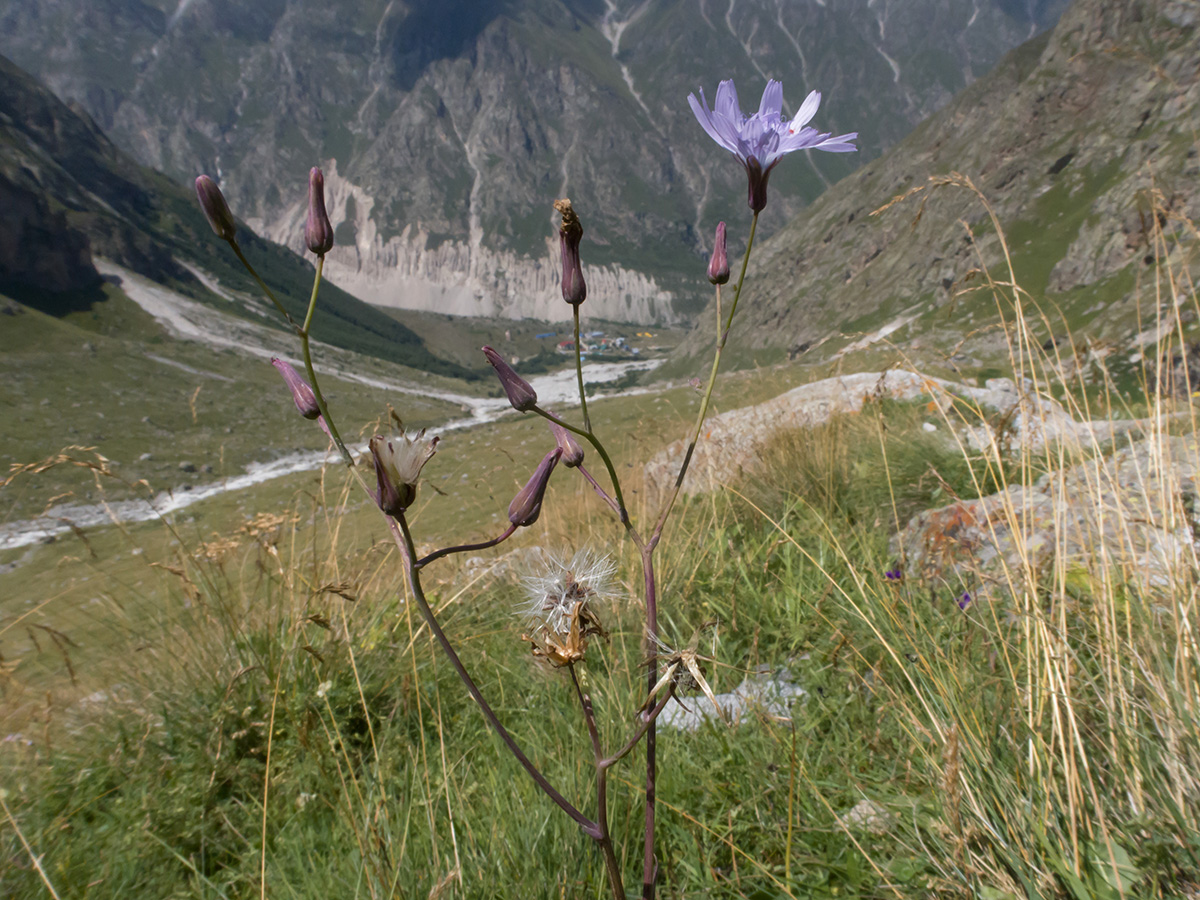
(563,618)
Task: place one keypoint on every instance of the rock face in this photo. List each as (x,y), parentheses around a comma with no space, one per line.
(66,192)
(1084,143)
(1130,517)
(454,124)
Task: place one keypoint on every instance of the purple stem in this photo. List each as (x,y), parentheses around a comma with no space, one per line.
(600,491)
(604,840)
(404,541)
(464,548)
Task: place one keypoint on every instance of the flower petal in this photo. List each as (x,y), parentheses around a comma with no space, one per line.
(705,117)
(807,110)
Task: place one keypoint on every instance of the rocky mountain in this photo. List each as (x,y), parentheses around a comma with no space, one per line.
(68,194)
(448,127)
(1086,143)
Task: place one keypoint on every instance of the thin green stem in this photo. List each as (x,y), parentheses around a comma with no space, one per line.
(308,365)
(587,423)
(722,337)
(605,839)
(262,284)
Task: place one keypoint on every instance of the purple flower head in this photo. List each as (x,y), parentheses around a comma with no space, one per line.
(893,574)
(527,505)
(965,600)
(718,266)
(574,288)
(302,392)
(318,233)
(520,392)
(216,210)
(762,139)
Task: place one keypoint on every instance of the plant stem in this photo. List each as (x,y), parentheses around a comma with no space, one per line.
(587,423)
(262,284)
(722,337)
(308,366)
(464,548)
(649,864)
(622,511)
(604,840)
(404,541)
(647,720)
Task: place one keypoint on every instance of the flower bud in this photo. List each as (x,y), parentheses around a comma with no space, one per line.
(318,233)
(527,505)
(572,453)
(574,288)
(718,266)
(302,393)
(216,210)
(398,463)
(521,394)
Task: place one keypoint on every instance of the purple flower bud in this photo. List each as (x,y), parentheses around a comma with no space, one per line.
(718,266)
(302,393)
(318,233)
(212,201)
(521,394)
(574,288)
(398,463)
(527,505)
(572,453)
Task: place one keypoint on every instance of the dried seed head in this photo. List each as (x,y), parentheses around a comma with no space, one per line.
(562,609)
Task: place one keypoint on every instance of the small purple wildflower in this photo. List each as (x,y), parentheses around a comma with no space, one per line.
(893,575)
(762,139)
(965,600)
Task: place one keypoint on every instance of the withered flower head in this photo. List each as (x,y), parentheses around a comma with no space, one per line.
(520,392)
(216,210)
(574,288)
(398,463)
(562,606)
(682,670)
(318,233)
(527,505)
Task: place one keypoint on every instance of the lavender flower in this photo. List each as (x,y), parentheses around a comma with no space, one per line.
(761,140)
(302,393)
(318,233)
(216,210)
(965,600)
(718,266)
(893,574)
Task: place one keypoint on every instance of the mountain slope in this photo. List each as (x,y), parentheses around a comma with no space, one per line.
(1085,141)
(69,193)
(447,128)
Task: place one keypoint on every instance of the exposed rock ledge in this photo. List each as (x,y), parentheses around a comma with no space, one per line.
(460,278)
(732,441)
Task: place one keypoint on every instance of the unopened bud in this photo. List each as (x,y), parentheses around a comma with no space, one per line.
(574,288)
(520,392)
(302,393)
(718,266)
(216,210)
(572,453)
(527,505)
(318,233)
